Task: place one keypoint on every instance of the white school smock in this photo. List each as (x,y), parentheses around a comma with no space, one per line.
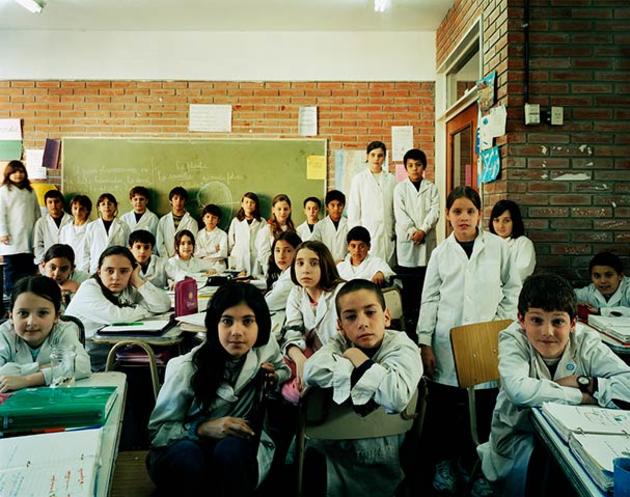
(177,414)
(46,234)
(301,319)
(618,301)
(304,232)
(366,270)
(95,311)
(97,239)
(415,210)
(18,212)
(206,245)
(276,298)
(74,235)
(333,238)
(526,383)
(16,358)
(459,291)
(156,272)
(165,238)
(148,221)
(264,241)
(523,255)
(177,269)
(242,244)
(371,205)
(368,466)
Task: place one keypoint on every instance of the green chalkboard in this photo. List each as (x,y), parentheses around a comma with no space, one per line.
(213,171)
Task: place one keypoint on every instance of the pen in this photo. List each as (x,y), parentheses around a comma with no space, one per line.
(137,323)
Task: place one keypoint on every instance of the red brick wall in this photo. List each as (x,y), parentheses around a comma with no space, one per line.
(350,114)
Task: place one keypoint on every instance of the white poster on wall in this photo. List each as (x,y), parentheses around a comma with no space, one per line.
(210,118)
(307,121)
(402,140)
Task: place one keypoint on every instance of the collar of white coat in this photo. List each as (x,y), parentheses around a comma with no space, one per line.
(478,246)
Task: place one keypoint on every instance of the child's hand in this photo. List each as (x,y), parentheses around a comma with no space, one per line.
(418,237)
(271,378)
(378,278)
(69,286)
(5,239)
(568,381)
(227,426)
(428,360)
(355,356)
(136,280)
(10,383)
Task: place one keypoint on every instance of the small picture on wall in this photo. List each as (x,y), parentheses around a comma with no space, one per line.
(486,87)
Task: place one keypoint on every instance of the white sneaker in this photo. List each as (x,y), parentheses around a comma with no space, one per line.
(481,488)
(445,479)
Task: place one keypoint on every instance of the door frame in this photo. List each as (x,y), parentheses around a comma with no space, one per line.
(465,118)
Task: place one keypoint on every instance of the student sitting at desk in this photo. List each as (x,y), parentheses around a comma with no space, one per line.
(279,273)
(544,358)
(359,264)
(116,293)
(206,430)
(373,367)
(609,292)
(29,335)
(184,264)
(152,267)
(58,264)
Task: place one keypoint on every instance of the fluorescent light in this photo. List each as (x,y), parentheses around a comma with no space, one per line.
(382,5)
(32,5)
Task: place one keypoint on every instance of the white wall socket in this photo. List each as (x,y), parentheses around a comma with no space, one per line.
(557,116)
(532,114)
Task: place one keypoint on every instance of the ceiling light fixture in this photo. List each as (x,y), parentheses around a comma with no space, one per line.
(382,5)
(34,6)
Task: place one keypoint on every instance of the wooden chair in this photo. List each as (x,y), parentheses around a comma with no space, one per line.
(393,301)
(323,419)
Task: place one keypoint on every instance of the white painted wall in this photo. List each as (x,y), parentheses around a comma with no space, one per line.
(218,56)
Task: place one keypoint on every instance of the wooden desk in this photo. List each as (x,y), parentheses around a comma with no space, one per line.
(580,480)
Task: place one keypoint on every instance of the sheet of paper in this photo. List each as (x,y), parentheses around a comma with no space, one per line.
(212,118)
(316,167)
(490,165)
(34,167)
(492,125)
(402,140)
(307,121)
(10,129)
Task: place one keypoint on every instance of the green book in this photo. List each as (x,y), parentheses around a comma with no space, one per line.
(49,408)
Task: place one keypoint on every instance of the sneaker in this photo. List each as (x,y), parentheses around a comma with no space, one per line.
(482,488)
(445,479)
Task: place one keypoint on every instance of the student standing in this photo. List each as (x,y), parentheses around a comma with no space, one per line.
(417,211)
(506,221)
(242,235)
(48,228)
(18,212)
(371,202)
(106,231)
(279,221)
(212,241)
(140,217)
(469,279)
(332,230)
(73,233)
(176,220)
(312,206)
(206,429)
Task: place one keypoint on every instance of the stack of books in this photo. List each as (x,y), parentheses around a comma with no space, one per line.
(615,330)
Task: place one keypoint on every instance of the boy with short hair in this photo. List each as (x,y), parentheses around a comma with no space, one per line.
(212,242)
(609,292)
(417,211)
(312,206)
(173,222)
(73,233)
(140,217)
(374,367)
(359,264)
(152,267)
(48,227)
(332,230)
(543,357)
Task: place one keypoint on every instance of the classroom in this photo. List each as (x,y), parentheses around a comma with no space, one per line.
(520,100)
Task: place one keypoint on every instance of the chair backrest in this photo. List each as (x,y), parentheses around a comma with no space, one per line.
(152,362)
(78,323)
(393,302)
(476,351)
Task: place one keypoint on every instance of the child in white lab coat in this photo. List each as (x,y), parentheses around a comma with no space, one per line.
(242,235)
(58,264)
(279,273)
(152,266)
(359,264)
(212,241)
(176,220)
(184,263)
(469,279)
(73,233)
(48,227)
(332,230)
(544,358)
(609,292)
(140,217)
(279,221)
(312,206)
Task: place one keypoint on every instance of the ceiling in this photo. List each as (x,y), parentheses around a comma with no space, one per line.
(226,15)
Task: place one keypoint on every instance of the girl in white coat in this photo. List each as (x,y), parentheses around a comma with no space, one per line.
(18,212)
(279,273)
(311,317)
(507,222)
(73,233)
(279,221)
(207,426)
(469,279)
(184,264)
(106,231)
(371,202)
(116,293)
(28,337)
(242,235)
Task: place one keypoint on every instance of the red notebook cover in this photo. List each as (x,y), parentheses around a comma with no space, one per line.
(185,297)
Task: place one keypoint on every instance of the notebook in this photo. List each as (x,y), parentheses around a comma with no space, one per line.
(616,327)
(152,327)
(597,453)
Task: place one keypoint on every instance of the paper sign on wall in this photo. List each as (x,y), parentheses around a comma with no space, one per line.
(402,140)
(307,121)
(212,118)
(316,167)
(34,158)
(10,129)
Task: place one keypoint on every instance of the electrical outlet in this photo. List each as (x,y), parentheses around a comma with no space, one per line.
(557,116)
(532,114)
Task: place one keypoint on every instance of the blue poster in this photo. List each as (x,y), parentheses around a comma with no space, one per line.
(490,165)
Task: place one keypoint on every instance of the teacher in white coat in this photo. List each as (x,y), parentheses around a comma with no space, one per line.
(371,202)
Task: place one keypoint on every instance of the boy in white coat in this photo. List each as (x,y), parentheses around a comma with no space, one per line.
(48,227)
(173,222)
(152,267)
(212,241)
(373,367)
(332,230)
(140,218)
(609,292)
(312,206)
(544,358)
(358,264)
(371,202)
(417,210)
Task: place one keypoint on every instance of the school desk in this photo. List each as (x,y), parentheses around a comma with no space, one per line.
(620,350)
(557,449)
